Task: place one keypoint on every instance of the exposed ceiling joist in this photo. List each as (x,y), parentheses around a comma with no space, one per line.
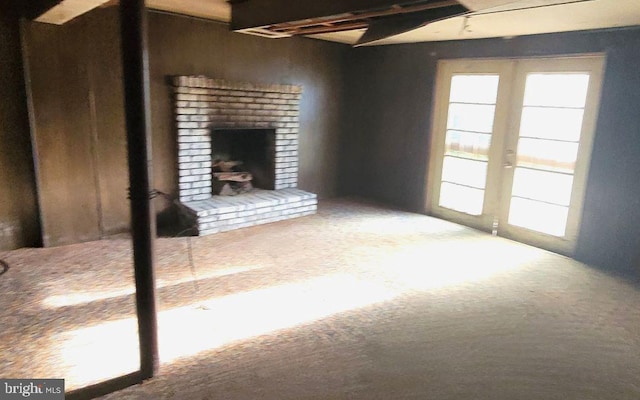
(477,5)
(349,17)
(259,13)
(381,18)
(67,10)
(395,25)
(35,8)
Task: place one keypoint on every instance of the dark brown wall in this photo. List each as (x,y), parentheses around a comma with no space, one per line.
(79,130)
(18,210)
(81,145)
(390,99)
(182,46)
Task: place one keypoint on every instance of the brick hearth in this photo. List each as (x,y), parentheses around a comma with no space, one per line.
(202,105)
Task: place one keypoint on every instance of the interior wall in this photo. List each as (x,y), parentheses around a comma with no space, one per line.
(18,210)
(79,112)
(390,98)
(75,75)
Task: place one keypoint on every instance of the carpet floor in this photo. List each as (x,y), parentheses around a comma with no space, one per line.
(356,302)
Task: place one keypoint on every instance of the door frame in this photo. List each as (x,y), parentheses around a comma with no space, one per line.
(509,102)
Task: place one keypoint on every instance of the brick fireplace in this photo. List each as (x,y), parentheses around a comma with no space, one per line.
(255,123)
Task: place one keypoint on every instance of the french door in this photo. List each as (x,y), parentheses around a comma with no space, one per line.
(511,145)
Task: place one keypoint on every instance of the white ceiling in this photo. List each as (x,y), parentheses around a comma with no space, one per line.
(218,10)
(489,18)
(592,14)
(67,10)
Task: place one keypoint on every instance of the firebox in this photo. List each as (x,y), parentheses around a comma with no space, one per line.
(253,150)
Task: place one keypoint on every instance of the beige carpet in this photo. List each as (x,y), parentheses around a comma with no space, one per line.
(357,302)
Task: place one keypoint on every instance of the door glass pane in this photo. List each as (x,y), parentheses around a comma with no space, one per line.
(464,172)
(471,117)
(472,145)
(551,123)
(541,185)
(547,155)
(461,198)
(481,89)
(538,216)
(556,90)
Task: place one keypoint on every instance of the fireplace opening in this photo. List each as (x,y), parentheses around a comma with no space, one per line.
(243,159)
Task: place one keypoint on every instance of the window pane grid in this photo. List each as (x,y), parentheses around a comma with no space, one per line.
(551,123)
(538,216)
(465,172)
(539,201)
(535,168)
(472,103)
(470,118)
(556,89)
(468,145)
(547,155)
(461,198)
(547,152)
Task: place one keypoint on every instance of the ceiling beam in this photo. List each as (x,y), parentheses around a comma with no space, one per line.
(394,10)
(258,13)
(392,26)
(477,5)
(34,9)
(67,10)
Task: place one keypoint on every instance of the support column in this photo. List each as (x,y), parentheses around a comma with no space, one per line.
(135,65)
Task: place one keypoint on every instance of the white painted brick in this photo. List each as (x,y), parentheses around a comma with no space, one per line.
(200,185)
(205,177)
(186,110)
(227,216)
(188,165)
(187,125)
(192,139)
(188,178)
(202,171)
(201,158)
(186,97)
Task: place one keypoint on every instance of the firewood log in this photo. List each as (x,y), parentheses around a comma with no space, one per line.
(233,176)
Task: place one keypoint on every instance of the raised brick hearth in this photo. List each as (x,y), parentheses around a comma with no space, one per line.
(204,106)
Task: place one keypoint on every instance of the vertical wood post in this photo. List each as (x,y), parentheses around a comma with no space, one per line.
(135,68)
